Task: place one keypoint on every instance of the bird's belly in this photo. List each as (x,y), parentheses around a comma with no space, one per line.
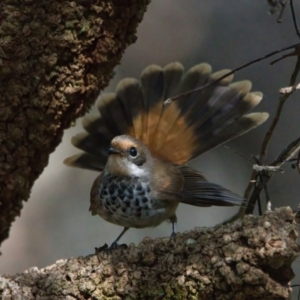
(131,205)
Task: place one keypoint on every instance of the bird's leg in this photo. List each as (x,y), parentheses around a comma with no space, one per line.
(173,234)
(114,245)
(259,205)
(173,220)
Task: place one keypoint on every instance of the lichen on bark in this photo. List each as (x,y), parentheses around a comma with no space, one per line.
(249,259)
(55,57)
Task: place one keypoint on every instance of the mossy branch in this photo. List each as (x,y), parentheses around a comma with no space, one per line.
(248,259)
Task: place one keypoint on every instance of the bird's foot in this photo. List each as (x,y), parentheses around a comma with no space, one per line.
(173,235)
(101,249)
(113,246)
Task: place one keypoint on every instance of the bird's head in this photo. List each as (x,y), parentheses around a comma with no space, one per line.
(128,157)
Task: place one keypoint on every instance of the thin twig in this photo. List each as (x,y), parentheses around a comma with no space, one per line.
(282,101)
(294,18)
(289,152)
(259,205)
(170,100)
(295,52)
(298,163)
(289,89)
(238,153)
(278,5)
(259,168)
(269,134)
(295,46)
(286,155)
(283,6)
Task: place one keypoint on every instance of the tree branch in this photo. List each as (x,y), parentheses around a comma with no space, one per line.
(255,192)
(248,259)
(55,57)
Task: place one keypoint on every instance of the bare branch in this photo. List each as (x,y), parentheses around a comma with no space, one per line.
(282,100)
(259,168)
(278,5)
(294,18)
(288,153)
(289,89)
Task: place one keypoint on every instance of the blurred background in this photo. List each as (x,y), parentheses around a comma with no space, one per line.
(55,222)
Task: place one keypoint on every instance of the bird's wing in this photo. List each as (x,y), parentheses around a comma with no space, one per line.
(166,180)
(183,184)
(200,192)
(175,132)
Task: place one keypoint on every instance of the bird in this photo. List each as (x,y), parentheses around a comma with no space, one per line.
(140,143)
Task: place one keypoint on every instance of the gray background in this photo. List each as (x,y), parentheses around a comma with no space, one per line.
(56,223)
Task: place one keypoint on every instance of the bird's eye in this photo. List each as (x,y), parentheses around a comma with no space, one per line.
(133,152)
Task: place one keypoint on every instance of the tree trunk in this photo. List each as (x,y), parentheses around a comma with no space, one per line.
(55,57)
(248,259)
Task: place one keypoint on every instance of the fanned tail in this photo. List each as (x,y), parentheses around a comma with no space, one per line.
(175,132)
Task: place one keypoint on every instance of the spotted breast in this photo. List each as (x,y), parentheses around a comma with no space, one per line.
(126,201)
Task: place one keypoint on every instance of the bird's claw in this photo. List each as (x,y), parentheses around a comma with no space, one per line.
(113,246)
(101,249)
(173,235)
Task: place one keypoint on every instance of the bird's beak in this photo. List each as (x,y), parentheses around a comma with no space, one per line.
(112,150)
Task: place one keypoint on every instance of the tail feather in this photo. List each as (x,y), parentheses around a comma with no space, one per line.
(241,87)
(193,110)
(179,131)
(113,113)
(152,80)
(203,101)
(225,100)
(97,127)
(233,130)
(223,108)
(130,94)
(172,77)
(95,153)
(89,144)
(172,74)
(173,119)
(86,161)
(227,111)
(218,74)
(195,77)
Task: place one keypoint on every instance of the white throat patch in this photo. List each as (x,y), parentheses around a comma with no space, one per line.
(134,169)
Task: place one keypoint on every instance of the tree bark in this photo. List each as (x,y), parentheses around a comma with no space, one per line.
(55,57)
(248,259)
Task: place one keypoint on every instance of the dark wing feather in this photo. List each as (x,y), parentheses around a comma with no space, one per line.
(198,191)
(185,185)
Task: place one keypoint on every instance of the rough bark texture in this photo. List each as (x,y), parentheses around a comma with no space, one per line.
(55,57)
(249,259)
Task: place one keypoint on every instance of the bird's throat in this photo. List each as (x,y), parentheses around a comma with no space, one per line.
(119,166)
